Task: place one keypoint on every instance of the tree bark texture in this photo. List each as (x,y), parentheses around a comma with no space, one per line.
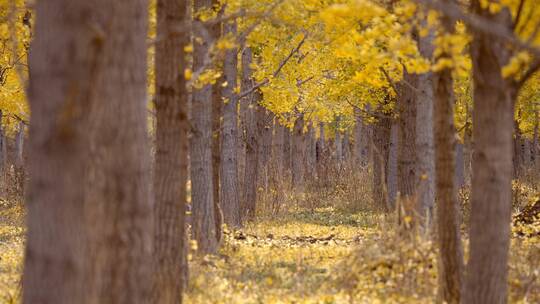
(449,240)
(171,157)
(89,237)
(391,175)
(252,135)
(381,140)
(491,197)
(406,105)
(202,179)
(425,150)
(230,200)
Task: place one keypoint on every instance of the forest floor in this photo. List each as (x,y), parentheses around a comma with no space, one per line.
(325,255)
(306,255)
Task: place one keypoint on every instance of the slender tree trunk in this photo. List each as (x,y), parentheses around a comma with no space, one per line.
(407,138)
(381,139)
(459,167)
(358,156)
(425,150)
(230,199)
(19,146)
(391,175)
(287,152)
(298,154)
(89,237)
(171,158)
(251,169)
(449,241)
(276,174)
(277,149)
(346,147)
(217,102)
(310,152)
(202,185)
(338,143)
(264,126)
(491,197)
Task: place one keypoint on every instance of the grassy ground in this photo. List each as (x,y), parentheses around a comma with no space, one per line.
(11,251)
(326,256)
(314,255)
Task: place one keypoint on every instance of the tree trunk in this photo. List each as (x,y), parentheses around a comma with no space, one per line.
(287,152)
(230,200)
(298,154)
(276,164)
(252,163)
(391,175)
(264,127)
(338,143)
(217,102)
(407,138)
(89,237)
(491,197)
(202,185)
(425,150)
(459,167)
(449,241)
(171,158)
(310,152)
(19,146)
(381,139)
(346,147)
(358,153)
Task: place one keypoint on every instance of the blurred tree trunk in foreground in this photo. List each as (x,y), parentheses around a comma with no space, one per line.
(89,236)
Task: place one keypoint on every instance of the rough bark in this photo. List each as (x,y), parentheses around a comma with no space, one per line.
(230,200)
(217,102)
(89,237)
(251,160)
(491,197)
(406,105)
(202,185)
(425,150)
(171,157)
(449,240)
(381,139)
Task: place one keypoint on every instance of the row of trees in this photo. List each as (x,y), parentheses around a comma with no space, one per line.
(249,90)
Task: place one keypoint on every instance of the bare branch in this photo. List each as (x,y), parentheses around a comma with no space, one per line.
(276,72)
(482,24)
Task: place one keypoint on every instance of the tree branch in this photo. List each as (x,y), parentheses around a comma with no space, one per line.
(276,72)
